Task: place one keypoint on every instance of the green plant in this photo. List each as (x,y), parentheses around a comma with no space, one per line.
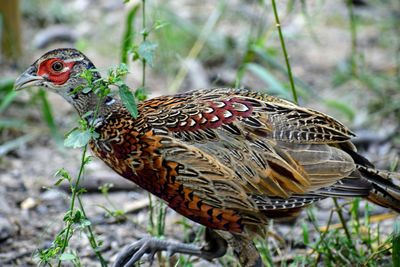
(114,211)
(396,244)
(75,219)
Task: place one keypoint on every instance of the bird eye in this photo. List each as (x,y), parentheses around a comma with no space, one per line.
(57,66)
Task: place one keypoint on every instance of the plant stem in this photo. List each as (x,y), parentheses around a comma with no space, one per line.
(144,34)
(278,25)
(72,204)
(91,237)
(353,32)
(341,218)
(75,195)
(151,214)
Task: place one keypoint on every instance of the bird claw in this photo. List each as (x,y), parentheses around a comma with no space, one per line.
(135,251)
(215,247)
(150,245)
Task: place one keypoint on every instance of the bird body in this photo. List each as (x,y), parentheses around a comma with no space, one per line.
(221,157)
(229,159)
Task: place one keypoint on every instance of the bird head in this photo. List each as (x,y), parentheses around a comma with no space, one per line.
(60,71)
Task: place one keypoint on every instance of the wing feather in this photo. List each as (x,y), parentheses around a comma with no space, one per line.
(237,144)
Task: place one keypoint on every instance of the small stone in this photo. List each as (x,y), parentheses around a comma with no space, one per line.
(6,229)
(29,203)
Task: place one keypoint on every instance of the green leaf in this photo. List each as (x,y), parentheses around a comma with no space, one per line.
(140,94)
(123,68)
(78,216)
(59,181)
(129,34)
(63,173)
(118,213)
(81,191)
(159,24)
(135,53)
(87,74)
(87,114)
(146,51)
(105,188)
(396,244)
(67,257)
(88,159)
(67,217)
(86,90)
(84,223)
(64,176)
(128,100)
(78,138)
(76,90)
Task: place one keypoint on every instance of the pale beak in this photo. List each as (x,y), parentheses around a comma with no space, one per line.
(28,79)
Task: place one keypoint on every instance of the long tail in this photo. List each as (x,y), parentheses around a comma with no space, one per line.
(384,191)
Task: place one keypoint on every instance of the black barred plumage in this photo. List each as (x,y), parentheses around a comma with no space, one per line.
(229,159)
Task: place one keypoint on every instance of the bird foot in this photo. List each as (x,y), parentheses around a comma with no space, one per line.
(150,245)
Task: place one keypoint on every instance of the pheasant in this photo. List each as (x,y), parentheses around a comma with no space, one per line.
(229,159)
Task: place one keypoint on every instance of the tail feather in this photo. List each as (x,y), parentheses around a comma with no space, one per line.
(384,191)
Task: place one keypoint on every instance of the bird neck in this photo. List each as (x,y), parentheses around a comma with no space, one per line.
(93,108)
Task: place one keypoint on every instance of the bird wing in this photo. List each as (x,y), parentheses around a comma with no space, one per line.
(233,144)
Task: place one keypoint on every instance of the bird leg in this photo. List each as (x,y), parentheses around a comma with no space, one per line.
(215,247)
(243,248)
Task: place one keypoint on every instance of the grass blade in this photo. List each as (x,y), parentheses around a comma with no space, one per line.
(48,117)
(274,86)
(7,93)
(396,244)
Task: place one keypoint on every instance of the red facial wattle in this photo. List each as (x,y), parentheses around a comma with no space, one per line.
(54,75)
